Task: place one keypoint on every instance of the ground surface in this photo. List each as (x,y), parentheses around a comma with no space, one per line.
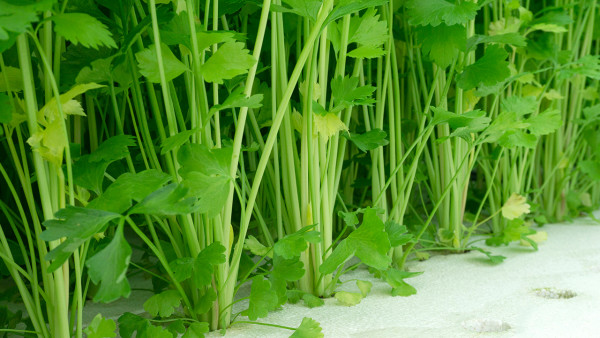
(459,291)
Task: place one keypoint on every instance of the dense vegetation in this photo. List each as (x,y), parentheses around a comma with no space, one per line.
(209,143)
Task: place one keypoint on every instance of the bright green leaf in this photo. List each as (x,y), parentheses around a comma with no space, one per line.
(88,170)
(111,277)
(366,52)
(346,92)
(101,327)
(514,39)
(489,70)
(370,140)
(169,200)
(434,12)
(344,7)
(83,28)
(294,244)
(442,43)
(149,67)
(11,78)
(262,299)
(163,304)
(197,330)
(590,168)
(397,233)
(130,323)
(348,298)
(312,301)
(520,105)
(176,140)
(76,225)
(230,60)
(364,287)
(309,328)
(367,30)
(395,278)
(117,197)
(494,259)
(306,8)
(257,248)
(205,262)
(545,123)
(182,268)
(518,138)
(206,173)
(369,243)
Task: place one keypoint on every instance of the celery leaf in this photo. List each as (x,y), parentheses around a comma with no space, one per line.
(169,200)
(262,299)
(370,140)
(230,60)
(205,263)
(108,267)
(84,29)
(163,304)
(149,66)
(442,43)
(76,225)
(101,327)
(489,70)
(309,328)
(206,173)
(369,243)
(434,12)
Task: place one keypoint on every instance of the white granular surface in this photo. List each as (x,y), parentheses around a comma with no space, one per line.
(485,325)
(554,293)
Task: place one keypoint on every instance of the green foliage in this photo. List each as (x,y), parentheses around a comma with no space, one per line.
(196,330)
(148,63)
(348,298)
(442,43)
(119,195)
(83,28)
(369,243)
(395,278)
(230,60)
(515,230)
(205,263)
(88,170)
(309,328)
(308,9)
(169,200)
(163,304)
(494,259)
(101,327)
(397,233)
(176,141)
(346,93)
(434,12)
(206,173)
(370,140)
(262,299)
(294,244)
(76,225)
(111,277)
(489,70)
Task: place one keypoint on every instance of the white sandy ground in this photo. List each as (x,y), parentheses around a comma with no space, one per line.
(457,290)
